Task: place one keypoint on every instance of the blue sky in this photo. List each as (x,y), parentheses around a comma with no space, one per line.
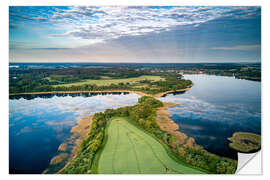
(134,34)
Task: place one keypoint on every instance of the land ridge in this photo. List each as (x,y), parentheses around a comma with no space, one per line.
(144,115)
(105,91)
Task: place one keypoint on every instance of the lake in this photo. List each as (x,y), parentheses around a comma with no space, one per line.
(38,124)
(210,112)
(216,107)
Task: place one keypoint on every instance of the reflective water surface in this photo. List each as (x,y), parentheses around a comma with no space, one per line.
(216,107)
(38,124)
(211,111)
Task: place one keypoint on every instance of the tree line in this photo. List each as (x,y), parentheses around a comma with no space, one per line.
(143,115)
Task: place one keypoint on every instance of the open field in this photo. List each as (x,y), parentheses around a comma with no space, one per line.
(106,82)
(129,150)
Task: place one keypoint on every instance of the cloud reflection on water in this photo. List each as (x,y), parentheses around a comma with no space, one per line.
(46,123)
(217,106)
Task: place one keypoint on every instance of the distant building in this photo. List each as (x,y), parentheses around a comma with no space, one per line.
(189,72)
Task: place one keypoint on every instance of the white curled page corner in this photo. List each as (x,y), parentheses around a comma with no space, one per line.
(249,164)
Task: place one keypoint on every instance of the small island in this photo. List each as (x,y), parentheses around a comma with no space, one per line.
(245,142)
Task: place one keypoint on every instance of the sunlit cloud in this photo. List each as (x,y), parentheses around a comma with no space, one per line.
(103,23)
(115,32)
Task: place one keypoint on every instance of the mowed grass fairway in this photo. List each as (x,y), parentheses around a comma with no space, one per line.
(129,150)
(106,82)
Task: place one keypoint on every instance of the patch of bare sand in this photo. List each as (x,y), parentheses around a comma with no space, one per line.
(168,125)
(58,159)
(83,126)
(63,147)
(79,132)
(167,92)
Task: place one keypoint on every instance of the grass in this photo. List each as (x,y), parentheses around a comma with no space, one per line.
(130,150)
(106,82)
(245,142)
(94,166)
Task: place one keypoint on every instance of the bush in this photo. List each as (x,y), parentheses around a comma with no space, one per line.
(148,100)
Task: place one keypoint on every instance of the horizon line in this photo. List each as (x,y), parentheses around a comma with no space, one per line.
(141,62)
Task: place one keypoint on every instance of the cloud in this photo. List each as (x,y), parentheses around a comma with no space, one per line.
(243,12)
(25,129)
(133,34)
(100,24)
(239,48)
(51,48)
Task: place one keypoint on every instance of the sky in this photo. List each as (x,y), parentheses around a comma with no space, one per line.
(134,34)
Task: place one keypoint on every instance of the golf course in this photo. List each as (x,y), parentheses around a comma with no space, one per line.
(129,150)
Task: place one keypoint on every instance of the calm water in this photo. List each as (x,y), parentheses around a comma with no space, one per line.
(38,124)
(216,107)
(211,111)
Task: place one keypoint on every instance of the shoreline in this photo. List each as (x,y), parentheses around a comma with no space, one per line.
(167,124)
(158,95)
(81,129)
(78,134)
(179,144)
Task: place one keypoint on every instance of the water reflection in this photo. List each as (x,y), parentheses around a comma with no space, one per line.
(50,95)
(216,107)
(38,124)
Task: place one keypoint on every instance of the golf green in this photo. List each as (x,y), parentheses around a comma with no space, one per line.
(130,150)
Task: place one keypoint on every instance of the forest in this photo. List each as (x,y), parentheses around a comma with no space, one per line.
(25,78)
(43,81)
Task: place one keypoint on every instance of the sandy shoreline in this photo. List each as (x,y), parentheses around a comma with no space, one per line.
(81,129)
(163,120)
(78,134)
(106,91)
(168,125)
(172,91)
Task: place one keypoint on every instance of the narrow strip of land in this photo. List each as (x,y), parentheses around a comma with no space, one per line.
(104,91)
